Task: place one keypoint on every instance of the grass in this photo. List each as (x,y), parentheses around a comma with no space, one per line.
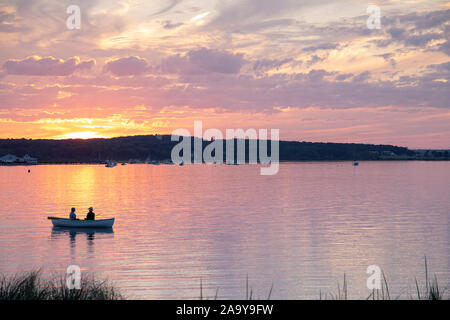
(32,286)
(431,290)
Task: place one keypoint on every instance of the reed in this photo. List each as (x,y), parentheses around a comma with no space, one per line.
(32,286)
(431,290)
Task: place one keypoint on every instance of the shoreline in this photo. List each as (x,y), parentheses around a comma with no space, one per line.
(280,161)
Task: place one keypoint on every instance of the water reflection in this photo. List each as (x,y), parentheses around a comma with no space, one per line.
(299,230)
(60,232)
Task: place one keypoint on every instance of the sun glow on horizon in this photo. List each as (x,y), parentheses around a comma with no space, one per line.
(81,135)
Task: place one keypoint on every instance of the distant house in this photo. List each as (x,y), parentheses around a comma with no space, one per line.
(29,160)
(11,159)
(389,153)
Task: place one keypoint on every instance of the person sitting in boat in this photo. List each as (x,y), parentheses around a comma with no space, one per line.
(72,215)
(90,215)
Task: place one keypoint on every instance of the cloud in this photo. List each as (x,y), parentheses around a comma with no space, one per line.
(203,61)
(172,4)
(254,56)
(262,66)
(49,66)
(344,76)
(428,20)
(7,22)
(362,77)
(167,24)
(314,59)
(322,46)
(216,61)
(129,66)
(441,66)
(445,47)
(418,30)
(232,14)
(258,26)
(238,92)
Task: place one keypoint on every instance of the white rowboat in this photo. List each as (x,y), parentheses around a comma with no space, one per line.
(70,223)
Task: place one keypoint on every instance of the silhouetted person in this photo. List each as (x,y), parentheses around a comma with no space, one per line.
(90,215)
(72,215)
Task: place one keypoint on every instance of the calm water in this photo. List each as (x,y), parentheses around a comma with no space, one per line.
(300,230)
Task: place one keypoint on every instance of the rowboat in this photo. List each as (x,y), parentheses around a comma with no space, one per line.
(71,223)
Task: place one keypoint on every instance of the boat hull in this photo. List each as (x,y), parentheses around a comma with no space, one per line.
(69,223)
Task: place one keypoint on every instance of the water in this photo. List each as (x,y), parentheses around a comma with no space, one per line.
(299,230)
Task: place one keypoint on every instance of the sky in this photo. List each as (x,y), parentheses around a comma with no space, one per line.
(310,68)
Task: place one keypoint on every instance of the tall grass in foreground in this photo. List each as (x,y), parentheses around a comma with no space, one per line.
(32,286)
(430,291)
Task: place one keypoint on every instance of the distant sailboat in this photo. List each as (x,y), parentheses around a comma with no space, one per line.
(110,164)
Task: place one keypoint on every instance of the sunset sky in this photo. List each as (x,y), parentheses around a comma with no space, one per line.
(310,68)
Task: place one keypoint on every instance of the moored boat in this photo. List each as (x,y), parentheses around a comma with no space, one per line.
(110,164)
(71,223)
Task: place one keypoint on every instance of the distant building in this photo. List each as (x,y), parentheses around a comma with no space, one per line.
(432,152)
(11,159)
(389,153)
(29,160)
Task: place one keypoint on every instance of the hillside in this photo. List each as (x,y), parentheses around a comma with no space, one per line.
(149,146)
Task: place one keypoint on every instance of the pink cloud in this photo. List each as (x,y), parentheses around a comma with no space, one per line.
(204,61)
(49,66)
(127,66)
